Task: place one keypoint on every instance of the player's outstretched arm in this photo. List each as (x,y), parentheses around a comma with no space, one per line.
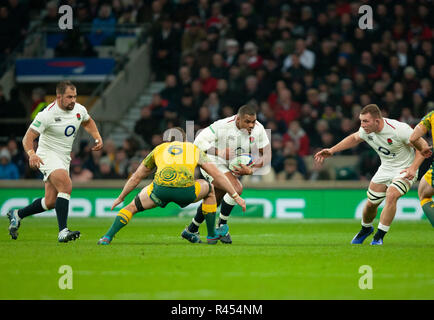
(349,142)
(418,142)
(29,137)
(92,129)
(221,180)
(141,173)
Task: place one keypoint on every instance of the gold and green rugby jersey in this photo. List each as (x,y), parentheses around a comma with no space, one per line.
(175,162)
(428,121)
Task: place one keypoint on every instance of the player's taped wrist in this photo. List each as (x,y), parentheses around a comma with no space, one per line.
(235,195)
(31,152)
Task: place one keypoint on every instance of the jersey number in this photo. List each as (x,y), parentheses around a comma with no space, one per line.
(385,151)
(69,131)
(175,150)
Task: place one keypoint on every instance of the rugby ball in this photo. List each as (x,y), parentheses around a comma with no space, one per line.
(243,158)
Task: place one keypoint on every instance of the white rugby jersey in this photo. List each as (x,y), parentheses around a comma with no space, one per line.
(392,144)
(224,134)
(58,128)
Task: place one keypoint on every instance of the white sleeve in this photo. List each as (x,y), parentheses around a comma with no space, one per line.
(404,132)
(86,116)
(206,138)
(262,139)
(39,124)
(362,134)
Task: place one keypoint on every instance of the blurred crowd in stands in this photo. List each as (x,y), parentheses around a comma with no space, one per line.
(306,66)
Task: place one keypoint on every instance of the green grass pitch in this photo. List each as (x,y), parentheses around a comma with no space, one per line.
(269,259)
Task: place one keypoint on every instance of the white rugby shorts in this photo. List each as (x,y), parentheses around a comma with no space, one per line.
(386,176)
(222,168)
(52,161)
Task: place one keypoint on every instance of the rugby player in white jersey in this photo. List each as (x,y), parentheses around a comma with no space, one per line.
(56,126)
(222,141)
(396,174)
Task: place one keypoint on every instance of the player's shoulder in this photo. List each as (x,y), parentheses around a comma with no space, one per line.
(429,116)
(47,113)
(49,109)
(259,125)
(396,124)
(392,123)
(222,124)
(225,121)
(162,146)
(80,107)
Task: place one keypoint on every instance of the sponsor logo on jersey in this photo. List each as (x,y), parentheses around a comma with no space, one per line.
(57,119)
(37,123)
(370,138)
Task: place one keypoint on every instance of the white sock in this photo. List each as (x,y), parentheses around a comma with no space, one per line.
(223,217)
(43,204)
(383,227)
(367,224)
(229,200)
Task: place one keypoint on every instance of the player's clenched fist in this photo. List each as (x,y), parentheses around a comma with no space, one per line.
(98,145)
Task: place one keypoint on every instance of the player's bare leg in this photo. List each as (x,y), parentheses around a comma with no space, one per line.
(140,203)
(37,206)
(63,185)
(425,192)
(376,194)
(397,188)
(225,209)
(227,204)
(207,210)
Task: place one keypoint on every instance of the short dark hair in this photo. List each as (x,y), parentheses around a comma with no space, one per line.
(172,134)
(62,85)
(247,109)
(373,110)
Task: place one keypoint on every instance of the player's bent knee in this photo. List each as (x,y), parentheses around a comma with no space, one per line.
(138,204)
(50,204)
(375,198)
(392,197)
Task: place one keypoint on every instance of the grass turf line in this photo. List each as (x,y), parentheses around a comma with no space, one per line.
(269,259)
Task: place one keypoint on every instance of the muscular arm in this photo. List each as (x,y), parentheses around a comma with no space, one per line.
(219,178)
(141,173)
(410,172)
(145,168)
(264,159)
(416,137)
(91,128)
(29,138)
(349,142)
